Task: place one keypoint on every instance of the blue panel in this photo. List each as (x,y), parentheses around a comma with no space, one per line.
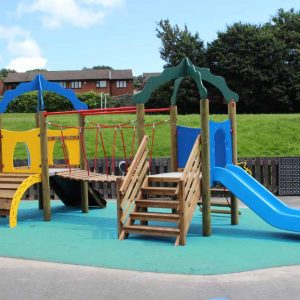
(220,145)
(40,84)
(186,137)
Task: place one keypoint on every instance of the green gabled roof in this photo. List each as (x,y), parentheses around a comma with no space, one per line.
(184,69)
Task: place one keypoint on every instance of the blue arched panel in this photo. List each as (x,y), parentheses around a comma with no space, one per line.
(40,84)
(186,137)
(220,145)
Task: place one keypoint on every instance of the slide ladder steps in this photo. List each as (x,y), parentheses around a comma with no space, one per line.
(164,209)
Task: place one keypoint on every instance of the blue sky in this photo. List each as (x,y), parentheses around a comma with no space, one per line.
(71,34)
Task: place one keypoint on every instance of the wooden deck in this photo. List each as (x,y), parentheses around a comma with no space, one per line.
(82,175)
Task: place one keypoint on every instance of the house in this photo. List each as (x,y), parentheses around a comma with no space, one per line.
(146,76)
(112,82)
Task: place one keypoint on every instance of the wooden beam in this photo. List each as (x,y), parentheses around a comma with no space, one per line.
(1,127)
(119,208)
(182,217)
(83,166)
(140,117)
(234,200)
(40,186)
(44,166)
(206,195)
(173,135)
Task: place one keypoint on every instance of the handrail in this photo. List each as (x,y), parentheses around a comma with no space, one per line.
(129,190)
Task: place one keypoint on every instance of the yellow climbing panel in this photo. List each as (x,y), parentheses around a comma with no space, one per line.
(24,186)
(31,139)
(71,139)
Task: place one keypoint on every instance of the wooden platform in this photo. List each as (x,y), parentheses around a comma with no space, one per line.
(82,175)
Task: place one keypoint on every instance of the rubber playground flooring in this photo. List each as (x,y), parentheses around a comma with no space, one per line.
(91,239)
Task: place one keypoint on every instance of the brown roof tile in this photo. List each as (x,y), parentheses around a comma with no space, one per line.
(71,75)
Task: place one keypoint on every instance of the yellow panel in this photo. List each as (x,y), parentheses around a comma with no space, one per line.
(24,186)
(32,141)
(73,146)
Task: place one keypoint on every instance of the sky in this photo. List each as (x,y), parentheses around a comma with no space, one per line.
(72,34)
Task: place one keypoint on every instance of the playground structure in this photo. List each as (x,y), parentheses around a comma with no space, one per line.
(209,156)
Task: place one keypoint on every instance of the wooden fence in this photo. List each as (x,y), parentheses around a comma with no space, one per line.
(265,170)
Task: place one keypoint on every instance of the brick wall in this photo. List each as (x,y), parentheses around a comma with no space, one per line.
(115,91)
(90,85)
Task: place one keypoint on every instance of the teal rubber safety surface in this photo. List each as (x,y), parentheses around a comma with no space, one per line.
(91,239)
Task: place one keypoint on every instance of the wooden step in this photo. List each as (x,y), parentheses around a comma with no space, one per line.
(8,186)
(12,180)
(159,190)
(14,175)
(4,194)
(157,216)
(157,203)
(151,230)
(5,204)
(163,179)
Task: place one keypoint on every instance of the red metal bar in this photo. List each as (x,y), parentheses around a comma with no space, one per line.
(71,112)
(117,112)
(105,111)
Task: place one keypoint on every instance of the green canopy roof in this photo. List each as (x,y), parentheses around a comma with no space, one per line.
(184,69)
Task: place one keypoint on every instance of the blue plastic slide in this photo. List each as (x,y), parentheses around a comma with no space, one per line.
(258,198)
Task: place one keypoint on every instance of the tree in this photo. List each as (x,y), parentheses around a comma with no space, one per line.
(36,70)
(99,67)
(4,72)
(285,26)
(178,43)
(250,58)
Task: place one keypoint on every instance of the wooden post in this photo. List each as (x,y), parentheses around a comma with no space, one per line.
(83,166)
(119,208)
(234,201)
(140,117)
(40,186)
(206,195)
(1,127)
(173,134)
(44,166)
(182,217)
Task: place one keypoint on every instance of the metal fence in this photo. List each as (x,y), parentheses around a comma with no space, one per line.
(281,176)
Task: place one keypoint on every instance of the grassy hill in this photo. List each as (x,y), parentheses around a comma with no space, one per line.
(258,135)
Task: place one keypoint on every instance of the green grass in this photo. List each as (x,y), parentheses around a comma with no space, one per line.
(258,135)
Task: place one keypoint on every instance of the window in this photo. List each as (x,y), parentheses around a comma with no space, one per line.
(76,84)
(121,84)
(63,84)
(101,84)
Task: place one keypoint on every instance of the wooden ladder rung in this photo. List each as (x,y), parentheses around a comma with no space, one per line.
(157,216)
(157,203)
(151,230)
(159,190)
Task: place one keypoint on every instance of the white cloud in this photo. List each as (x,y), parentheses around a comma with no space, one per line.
(79,13)
(25,63)
(24,50)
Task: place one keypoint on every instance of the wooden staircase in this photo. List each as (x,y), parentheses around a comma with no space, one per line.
(12,188)
(158,205)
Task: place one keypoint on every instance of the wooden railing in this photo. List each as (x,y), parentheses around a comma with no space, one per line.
(129,189)
(189,190)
